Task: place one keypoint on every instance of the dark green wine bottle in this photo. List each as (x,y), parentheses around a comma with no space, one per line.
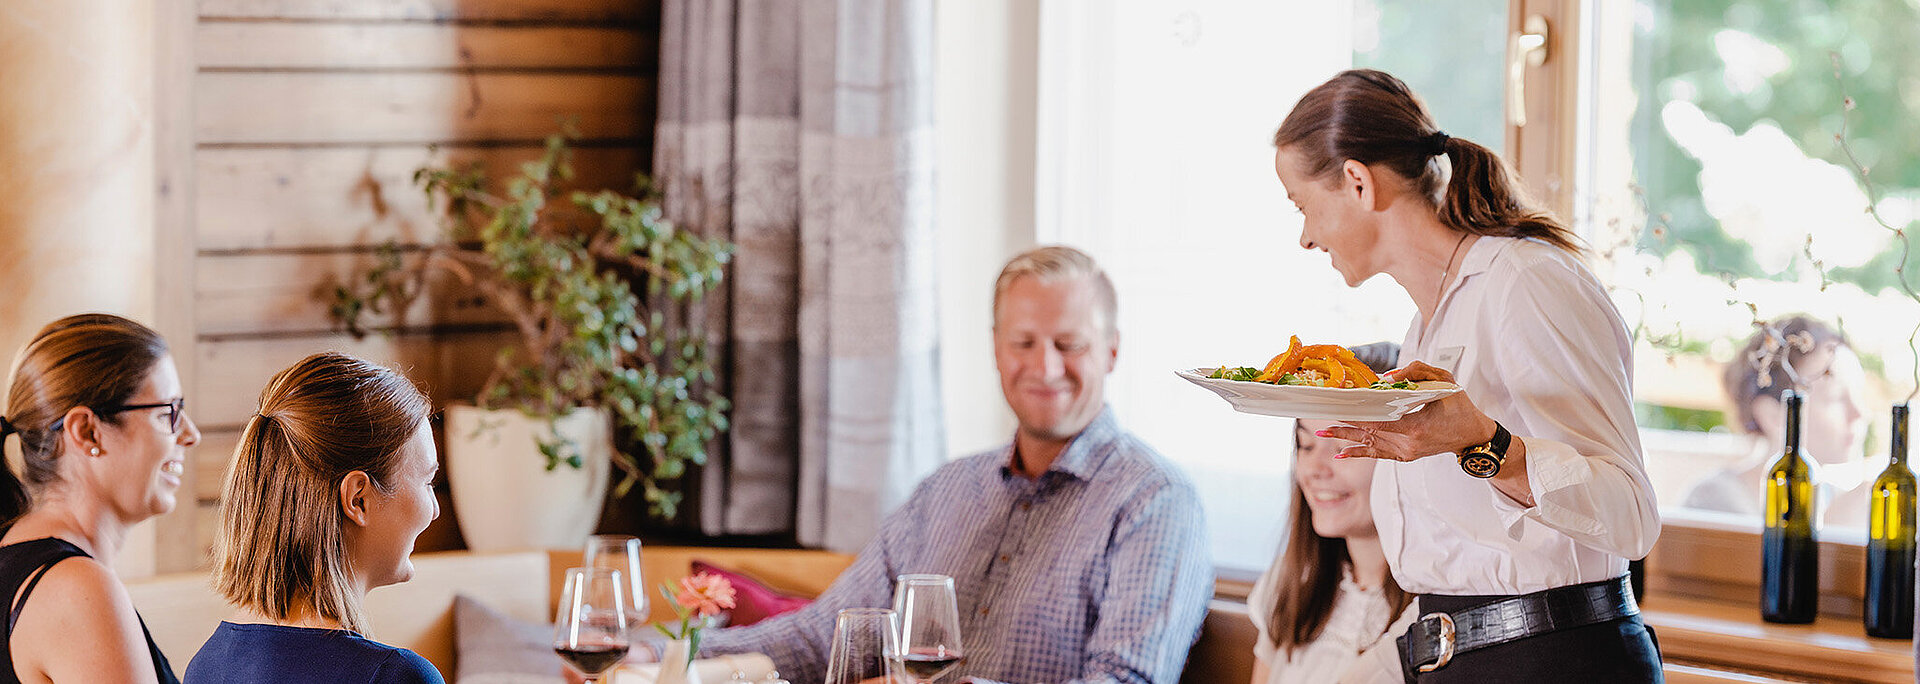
(1789,557)
(1890,526)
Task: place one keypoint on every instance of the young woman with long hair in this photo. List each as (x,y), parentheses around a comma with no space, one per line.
(1328,610)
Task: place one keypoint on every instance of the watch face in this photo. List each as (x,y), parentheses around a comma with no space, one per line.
(1480,465)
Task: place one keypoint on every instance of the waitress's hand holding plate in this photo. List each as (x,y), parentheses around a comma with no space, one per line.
(1445,425)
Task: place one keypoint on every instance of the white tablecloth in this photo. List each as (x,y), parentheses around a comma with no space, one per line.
(710,670)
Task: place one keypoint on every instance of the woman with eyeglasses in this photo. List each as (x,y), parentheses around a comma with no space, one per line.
(95,400)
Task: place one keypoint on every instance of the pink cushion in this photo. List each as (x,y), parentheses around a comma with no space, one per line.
(753,601)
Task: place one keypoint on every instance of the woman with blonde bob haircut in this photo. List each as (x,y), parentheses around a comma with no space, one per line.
(331,483)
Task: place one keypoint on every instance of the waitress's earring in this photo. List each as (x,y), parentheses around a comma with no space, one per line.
(94,450)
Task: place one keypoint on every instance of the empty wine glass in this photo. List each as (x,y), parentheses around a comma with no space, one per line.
(863,646)
(929,626)
(590,626)
(621,552)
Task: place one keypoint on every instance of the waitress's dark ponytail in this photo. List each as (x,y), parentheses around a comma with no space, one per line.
(1485,198)
(1373,118)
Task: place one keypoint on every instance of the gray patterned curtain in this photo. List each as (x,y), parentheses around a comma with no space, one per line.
(801,130)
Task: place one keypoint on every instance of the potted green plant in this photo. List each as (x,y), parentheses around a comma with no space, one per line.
(601,290)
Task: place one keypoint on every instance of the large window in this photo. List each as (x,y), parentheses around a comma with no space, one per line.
(1155,154)
(1699,152)
(1723,174)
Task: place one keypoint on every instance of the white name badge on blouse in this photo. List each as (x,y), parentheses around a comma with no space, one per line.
(1448,358)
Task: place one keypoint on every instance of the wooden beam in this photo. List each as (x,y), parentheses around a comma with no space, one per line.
(173,269)
(303,198)
(291,293)
(323,108)
(449,366)
(594,11)
(340,47)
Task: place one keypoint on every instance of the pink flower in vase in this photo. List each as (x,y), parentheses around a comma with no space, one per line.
(705,594)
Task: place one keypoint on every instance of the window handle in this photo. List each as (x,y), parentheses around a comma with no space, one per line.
(1527,48)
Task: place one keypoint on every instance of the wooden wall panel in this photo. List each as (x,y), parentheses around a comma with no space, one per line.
(398,108)
(450,366)
(309,118)
(280,198)
(207,466)
(175,68)
(206,526)
(339,47)
(290,293)
(585,11)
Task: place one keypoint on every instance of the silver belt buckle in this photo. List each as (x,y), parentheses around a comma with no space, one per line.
(1447,637)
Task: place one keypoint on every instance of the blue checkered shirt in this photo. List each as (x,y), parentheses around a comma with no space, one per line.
(1097,571)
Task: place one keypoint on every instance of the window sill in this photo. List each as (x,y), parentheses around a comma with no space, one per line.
(1722,635)
(1708,558)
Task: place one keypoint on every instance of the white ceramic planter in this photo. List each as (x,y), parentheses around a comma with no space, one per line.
(504,495)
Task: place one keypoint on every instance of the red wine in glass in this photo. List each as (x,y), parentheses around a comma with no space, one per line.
(592,661)
(590,629)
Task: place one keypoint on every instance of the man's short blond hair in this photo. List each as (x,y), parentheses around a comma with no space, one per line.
(1055,263)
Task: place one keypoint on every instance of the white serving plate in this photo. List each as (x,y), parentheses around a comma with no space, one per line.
(1326,403)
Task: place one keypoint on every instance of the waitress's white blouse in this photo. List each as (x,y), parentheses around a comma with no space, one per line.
(1532,336)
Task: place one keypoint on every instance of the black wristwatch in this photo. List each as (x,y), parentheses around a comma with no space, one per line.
(1484,460)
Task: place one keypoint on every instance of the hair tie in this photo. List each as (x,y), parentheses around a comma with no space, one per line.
(1438,143)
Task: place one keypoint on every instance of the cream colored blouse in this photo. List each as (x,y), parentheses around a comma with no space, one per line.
(1357,644)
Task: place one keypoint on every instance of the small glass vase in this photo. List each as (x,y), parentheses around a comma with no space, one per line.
(676,661)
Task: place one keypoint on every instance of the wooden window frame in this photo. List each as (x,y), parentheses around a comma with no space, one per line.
(1697,557)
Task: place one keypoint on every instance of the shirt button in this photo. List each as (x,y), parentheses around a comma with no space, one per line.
(983,611)
(1004,558)
(1026,505)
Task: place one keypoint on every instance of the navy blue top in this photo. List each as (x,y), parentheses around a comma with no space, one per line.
(242,654)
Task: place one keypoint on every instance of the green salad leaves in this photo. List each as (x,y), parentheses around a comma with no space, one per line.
(1247,374)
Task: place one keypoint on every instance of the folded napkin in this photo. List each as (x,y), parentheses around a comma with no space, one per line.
(710,670)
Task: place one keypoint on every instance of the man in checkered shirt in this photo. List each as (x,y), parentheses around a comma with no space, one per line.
(1078,554)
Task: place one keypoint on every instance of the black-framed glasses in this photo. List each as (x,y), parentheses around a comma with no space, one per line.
(175,409)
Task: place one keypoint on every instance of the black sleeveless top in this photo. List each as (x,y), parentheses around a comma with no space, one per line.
(23,564)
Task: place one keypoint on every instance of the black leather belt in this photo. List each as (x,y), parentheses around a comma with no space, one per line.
(1436,638)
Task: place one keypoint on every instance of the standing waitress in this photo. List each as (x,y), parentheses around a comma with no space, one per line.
(1522,497)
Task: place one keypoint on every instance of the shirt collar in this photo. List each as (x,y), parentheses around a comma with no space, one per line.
(1083,454)
(1479,257)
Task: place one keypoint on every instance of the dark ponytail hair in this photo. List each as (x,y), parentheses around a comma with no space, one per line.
(13,496)
(1373,118)
(81,360)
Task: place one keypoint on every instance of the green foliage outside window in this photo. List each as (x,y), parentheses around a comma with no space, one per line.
(1678,52)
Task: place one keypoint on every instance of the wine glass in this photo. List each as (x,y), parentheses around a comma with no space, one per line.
(863,646)
(929,626)
(590,628)
(621,552)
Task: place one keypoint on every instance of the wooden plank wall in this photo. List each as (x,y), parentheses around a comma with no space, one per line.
(310,117)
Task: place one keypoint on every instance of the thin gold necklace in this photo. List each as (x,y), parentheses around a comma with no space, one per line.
(1448,270)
